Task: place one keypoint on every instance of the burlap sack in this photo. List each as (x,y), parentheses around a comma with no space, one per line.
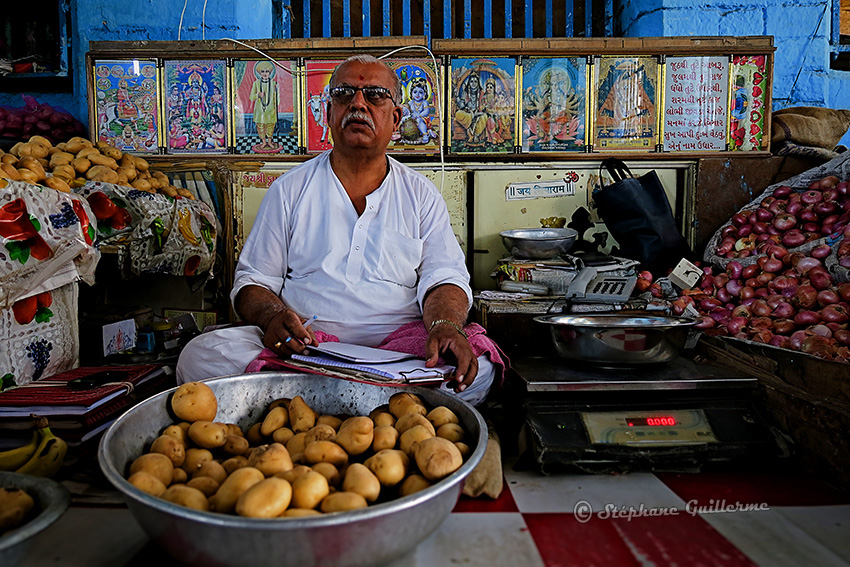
(487,478)
(809,126)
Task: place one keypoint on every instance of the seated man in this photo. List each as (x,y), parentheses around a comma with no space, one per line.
(355,238)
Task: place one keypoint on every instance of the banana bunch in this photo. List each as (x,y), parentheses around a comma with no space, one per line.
(42,456)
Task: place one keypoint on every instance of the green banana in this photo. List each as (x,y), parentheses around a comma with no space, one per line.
(48,457)
(15,458)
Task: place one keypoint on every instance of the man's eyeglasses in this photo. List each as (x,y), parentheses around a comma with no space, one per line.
(374,95)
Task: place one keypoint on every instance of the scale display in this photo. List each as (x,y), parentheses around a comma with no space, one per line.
(630,428)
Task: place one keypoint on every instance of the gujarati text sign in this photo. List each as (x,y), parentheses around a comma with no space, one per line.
(696,98)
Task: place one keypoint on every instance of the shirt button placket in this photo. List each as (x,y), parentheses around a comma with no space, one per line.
(358,246)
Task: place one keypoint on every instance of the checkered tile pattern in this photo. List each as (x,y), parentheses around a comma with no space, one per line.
(244,144)
(543,521)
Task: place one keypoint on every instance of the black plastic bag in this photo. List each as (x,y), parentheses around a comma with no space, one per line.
(638,214)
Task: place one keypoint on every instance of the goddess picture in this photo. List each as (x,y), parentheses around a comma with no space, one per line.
(197,115)
(553,104)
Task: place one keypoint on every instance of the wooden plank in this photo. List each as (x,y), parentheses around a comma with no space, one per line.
(447,19)
(386,18)
(509,19)
(467,19)
(346,18)
(405,17)
(326,18)
(549,18)
(366,29)
(529,19)
(488,18)
(307,31)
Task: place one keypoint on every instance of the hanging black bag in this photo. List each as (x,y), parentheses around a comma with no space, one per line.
(638,215)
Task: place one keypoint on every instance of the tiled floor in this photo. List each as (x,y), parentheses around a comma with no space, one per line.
(770,519)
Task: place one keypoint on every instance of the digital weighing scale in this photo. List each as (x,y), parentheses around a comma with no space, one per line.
(678,416)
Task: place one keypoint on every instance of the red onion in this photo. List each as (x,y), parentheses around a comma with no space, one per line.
(747,292)
(811,197)
(818,346)
(736,325)
(820,280)
(783,326)
(835,314)
(709,304)
(779,341)
(782,191)
(767,201)
(820,251)
(760,308)
(734,288)
(772,265)
(750,271)
(782,282)
(741,311)
(829,182)
(764,278)
(830,194)
(794,207)
(739,219)
(761,292)
(805,264)
(793,238)
(796,339)
(824,208)
(775,299)
(821,330)
(827,297)
(723,295)
(720,280)
(777,206)
(805,297)
(744,230)
(705,322)
(751,217)
(844,262)
(729,230)
(807,317)
(784,221)
(734,269)
(841,187)
(783,311)
(810,227)
(760,227)
(843,291)
(764,214)
(842,336)
(762,337)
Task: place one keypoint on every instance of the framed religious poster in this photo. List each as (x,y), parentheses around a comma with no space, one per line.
(195,107)
(748,102)
(317,76)
(696,99)
(125,104)
(554,93)
(625,103)
(420,128)
(482,109)
(265,120)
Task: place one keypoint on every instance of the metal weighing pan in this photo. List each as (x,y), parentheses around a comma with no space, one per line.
(369,536)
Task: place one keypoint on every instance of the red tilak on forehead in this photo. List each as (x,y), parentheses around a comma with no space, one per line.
(361,77)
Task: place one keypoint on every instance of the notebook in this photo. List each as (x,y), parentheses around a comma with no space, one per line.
(411,371)
(358,353)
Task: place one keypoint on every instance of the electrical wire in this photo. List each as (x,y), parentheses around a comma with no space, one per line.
(204,21)
(180,27)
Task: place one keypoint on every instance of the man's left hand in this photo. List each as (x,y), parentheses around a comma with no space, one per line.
(446,339)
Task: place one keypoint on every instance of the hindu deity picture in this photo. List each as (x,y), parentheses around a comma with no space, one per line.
(420,128)
(125,102)
(316,97)
(196,109)
(264,117)
(554,92)
(482,110)
(748,100)
(625,113)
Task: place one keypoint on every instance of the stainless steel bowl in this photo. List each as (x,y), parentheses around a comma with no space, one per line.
(618,340)
(368,536)
(51,501)
(538,243)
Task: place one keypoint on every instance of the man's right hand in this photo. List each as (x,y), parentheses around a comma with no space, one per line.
(285,334)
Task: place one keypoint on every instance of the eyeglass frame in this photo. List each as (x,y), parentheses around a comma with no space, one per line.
(375,88)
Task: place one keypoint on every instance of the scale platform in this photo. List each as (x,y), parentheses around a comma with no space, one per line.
(680,416)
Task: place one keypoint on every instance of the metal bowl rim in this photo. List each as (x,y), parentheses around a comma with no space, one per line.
(325,520)
(597,321)
(528,234)
(54,497)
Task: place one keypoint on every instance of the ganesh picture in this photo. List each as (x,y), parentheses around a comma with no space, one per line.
(125,95)
(553,104)
(625,114)
(482,113)
(195,107)
(316,98)
(420,126)
(264,107)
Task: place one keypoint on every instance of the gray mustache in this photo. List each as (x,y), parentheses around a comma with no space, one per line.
(357,115)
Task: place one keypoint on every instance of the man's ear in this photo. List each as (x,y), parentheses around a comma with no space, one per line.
(397,113)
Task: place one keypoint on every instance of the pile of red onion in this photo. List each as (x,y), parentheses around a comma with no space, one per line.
(786,299)
(790,218)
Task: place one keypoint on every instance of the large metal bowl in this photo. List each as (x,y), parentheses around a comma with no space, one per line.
(612,340)
(51,501)
(538,243)
(368,536)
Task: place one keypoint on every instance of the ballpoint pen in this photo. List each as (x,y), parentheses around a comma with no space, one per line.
(307,324)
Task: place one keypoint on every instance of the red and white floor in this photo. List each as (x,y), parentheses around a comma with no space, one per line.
(633,520)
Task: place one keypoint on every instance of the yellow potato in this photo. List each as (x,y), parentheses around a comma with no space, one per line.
(383,418)
(234,464)
(409,420)
(254,436)
(296,445)
(187,496)
(98,159)
(270,459)
(359,479)
(140,163)
(300,513)
(57,183)
(40,140)
(331,420)
(147,482)
(155,464)
(283,435)
(194,401)
(15,507)
(405,402)
(185,193)
(178,433)
(275,419)
(301,416)
(437,458)
(235,445)
(205,484)
(320,432)
(463,448)
(280,402)
(212,469)
(342,501)
(451,431)
(309,489)
(171,448)
(10,171)
(329,471)
(129,173)
(81,165)
(195,457)
(412,484)
(268,498)
(9,158)
(384,437)
(234,429)
(412,436)
(233,487)
(355,435)
(28,175)
(88,151)
(111,152)
(389,465)
(99,171)
(325,452)
(65,172)
(33,165)
(441,415)
(180,476)
(208,434)
(294,473)
(61,157)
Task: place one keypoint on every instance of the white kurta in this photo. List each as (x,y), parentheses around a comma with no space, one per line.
(363,276)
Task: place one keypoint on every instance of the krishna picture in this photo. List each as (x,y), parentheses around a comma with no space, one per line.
(420,128)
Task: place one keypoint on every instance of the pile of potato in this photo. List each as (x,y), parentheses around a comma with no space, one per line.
(72,163)
(295,462)
(16,506)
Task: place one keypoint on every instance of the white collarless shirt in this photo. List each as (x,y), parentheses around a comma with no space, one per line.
(363,276)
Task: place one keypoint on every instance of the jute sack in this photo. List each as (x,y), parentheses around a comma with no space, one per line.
(809,126)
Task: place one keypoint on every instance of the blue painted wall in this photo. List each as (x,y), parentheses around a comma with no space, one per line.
(102,20)
(800,28)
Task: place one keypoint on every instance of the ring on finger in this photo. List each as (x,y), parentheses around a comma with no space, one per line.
(278,344)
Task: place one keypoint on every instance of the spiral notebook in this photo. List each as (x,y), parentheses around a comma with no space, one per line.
(410,371)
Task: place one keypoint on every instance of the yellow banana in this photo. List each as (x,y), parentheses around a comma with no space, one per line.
(15,458)
(184,224)
(48,456)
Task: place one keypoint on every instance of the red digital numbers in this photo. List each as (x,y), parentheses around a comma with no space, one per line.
(661,421)
(666,420)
